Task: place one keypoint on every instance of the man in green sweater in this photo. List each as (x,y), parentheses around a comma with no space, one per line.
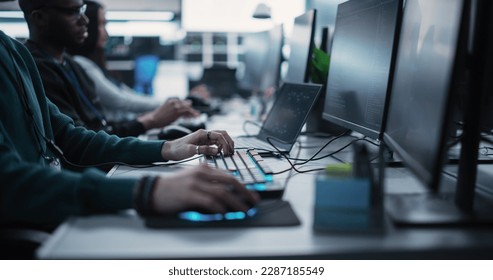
(33,133)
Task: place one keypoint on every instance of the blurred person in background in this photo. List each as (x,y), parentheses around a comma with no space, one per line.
(57,25)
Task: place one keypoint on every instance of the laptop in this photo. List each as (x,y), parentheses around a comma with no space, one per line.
(285,119)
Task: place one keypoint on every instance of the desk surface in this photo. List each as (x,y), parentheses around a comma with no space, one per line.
(125,236)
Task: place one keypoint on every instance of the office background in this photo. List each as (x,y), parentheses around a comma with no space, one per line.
(187,35)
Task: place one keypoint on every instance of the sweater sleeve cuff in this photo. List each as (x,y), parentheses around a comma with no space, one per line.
(143,194)
(113,194)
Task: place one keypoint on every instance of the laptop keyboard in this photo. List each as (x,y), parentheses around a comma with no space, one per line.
(246,165)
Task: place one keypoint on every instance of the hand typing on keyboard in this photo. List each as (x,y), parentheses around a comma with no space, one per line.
(167,113)
(211,190)
(200,142)
(247,166)
(204,188)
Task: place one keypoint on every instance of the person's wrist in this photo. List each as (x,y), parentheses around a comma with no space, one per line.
(147,120)
(165,150)
(144,196)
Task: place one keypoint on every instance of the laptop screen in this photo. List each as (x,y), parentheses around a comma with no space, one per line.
(288,114)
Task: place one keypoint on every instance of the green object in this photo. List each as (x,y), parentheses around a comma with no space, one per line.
(339,170)
(319,65)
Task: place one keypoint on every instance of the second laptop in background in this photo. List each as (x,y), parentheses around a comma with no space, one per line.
(285,119)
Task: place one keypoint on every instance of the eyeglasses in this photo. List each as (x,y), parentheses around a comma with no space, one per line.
(75,12)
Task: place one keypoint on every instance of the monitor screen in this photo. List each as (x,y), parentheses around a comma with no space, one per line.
(262,59)
(300,46)
(272,62)
(256,46)
(361,64)
(430,67)
(117,46)
(288,114)
(487,109)
(419,109)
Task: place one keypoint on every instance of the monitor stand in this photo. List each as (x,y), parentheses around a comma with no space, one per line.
(437,209)
(391,159)
(315,123)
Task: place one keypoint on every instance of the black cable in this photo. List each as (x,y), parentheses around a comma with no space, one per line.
(370,141)
(485,138)
(336,151)
(323,147)
(486,149)
(338,159)
(249,122)
(293,167)
(330,141)
(290,175)
(331,154)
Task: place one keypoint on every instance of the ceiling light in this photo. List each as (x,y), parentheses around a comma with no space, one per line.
(139,16)
(11,14)
(262,11)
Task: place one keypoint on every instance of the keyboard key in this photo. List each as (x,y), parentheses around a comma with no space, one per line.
(221,164)
(247,166)
(230,164)
(265,168)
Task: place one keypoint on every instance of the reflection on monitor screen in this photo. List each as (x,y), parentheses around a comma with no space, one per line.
(262,59)
(300,45)
(256,46)
(428,65)
(360,66)
(422,84)
(272,63)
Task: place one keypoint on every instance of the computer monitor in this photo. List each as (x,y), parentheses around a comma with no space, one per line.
(272,64)
(487,102)
(220,80)
(300,46)
(145,45)
(428,64)
(256,46)
(326,40)
(478,116)
(117,47)
(361,65)
(262,59)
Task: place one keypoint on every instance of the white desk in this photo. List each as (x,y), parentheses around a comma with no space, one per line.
(125,236)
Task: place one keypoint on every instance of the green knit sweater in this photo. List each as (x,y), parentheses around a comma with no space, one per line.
(30,190)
